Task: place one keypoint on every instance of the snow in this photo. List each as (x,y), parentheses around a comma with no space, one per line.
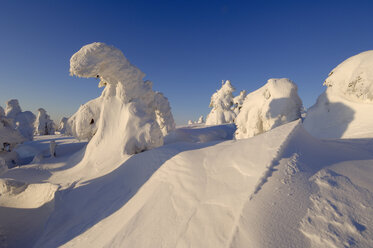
(22,121)
(344,109)
(274,104)
(43,124)
(221,104)
(238,101)
(62,127)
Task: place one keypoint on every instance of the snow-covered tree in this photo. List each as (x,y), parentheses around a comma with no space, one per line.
(200,120)
(163,113)
(22,121)
(127,121)
(2,112)
(344,110)
(238,101)
(43,124)
(274,104)
(62,126)
(221,104)
(190,122)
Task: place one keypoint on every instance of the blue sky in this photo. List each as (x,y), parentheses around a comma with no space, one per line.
(185,47)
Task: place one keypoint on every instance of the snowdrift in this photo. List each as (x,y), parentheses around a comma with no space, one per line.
(275,104)
(344,109)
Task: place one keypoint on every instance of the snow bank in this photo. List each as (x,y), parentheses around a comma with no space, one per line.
(274,104)
(127,121)
(221,104)
(22,121)
(43,124)
(344,109)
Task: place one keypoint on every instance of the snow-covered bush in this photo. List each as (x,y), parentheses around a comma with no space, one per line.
(344,110)
(62,127)
(2,112)
(43,124)
(200,120)
(22,121)
(274,104)
(127,121)
(238,101)
(221,104)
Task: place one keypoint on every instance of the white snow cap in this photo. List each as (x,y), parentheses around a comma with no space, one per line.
(344,110)
(127,121)
(221,103)
(353,78)
(274,104)
(43,124)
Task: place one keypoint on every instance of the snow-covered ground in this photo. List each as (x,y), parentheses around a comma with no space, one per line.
(283,188)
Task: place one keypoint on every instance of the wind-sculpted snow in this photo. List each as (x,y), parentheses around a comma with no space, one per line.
(275,104)
(127,120)
(344,109)
(221,104)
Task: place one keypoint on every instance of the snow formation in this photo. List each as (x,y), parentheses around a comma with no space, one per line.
(22,121)
(221,104)
(344,109)
(163,113)
(274,104)
(200,120)
(127,120)
(43,124)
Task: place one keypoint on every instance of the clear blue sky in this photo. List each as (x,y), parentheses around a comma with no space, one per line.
(185,47)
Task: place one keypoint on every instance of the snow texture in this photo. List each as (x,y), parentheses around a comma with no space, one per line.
(43,124)
(344,109)
(274,104)
(221,104)
(62,127)
(127,122)
(238,101)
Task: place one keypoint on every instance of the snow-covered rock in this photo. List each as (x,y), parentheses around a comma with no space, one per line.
(274,104)
(22,121)
(344,109)
(127,122)
(238,101)
(221,104)
(43,124)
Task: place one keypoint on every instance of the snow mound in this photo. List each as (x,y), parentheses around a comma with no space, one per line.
(344,109)
(221,104)
(127,122)
(43,124)
(15,194)
(274,104)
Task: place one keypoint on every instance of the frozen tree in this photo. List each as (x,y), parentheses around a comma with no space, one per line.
(127,121)
(238,101)
(22,121)
(274,104)
(2,112)
(84,123)
(62,126)
(200,120)
(43,124)
(163,113)
(190,122)
(221,104)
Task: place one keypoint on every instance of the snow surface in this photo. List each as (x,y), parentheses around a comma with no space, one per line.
(283,188)
(274,104)
(221,104)
(344,109)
